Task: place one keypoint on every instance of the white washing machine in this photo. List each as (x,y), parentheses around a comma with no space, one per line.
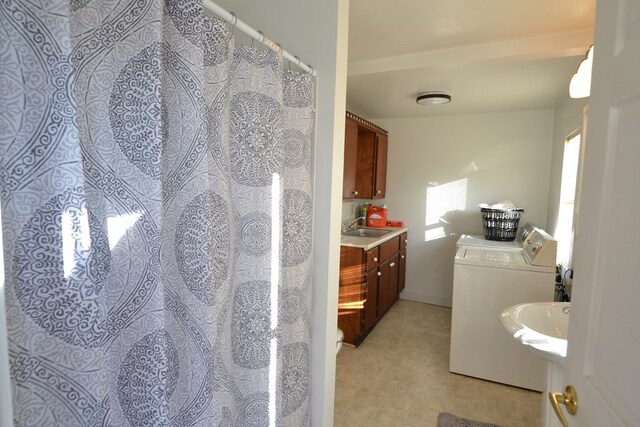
(486,281)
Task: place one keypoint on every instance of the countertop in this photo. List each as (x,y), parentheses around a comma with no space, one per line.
(367,243)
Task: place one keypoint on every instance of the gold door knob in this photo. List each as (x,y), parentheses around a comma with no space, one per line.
(569,399)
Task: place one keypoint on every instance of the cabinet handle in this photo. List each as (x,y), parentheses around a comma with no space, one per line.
(402,256)
(406,240)
(393,264)
(375,259)
(355,193)
(379,273)
(379,191)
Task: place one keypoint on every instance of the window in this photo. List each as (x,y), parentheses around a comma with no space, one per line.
(568,186)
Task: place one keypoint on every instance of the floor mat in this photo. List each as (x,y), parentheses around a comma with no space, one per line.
(448,420)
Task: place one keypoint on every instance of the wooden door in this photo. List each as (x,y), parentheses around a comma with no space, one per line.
(350,158)
(603,353)
(380,183)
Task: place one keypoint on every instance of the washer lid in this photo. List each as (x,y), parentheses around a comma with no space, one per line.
(476,240)
(493,256)
(496,258)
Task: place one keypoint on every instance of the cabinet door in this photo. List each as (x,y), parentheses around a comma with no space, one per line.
(371,303)
(350,158)
(387,285)
(394,276)
(351,292)
(380,181)
(402,270)
(403,241)
(365,165)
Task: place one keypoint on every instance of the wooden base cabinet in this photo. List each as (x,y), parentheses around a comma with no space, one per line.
(370,282)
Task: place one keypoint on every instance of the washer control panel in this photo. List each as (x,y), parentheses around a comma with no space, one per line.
(540,248)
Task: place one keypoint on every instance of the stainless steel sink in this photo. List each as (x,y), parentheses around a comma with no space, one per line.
(366,232)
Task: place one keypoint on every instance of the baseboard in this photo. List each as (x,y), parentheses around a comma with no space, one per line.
(428,299)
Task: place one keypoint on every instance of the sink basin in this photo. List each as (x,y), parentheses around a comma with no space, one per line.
(541,326)
(366,232)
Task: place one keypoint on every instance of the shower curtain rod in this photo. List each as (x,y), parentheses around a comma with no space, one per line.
(256,35)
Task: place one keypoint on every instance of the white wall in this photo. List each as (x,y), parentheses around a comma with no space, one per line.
(497,155)
(568,118)
(317,32)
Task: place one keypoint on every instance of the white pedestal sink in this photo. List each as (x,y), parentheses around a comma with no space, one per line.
(542,327)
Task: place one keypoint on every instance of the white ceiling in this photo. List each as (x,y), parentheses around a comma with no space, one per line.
(491,55)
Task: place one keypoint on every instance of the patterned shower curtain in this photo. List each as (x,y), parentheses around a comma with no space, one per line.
(156,214)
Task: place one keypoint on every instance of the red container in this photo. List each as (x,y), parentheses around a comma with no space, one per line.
(376,216)
(391,223)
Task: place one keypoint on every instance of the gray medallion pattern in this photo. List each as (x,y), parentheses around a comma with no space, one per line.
(257,57)
(38,82)
(254,411)
(256,126)
(254,234)
(187,17)
(251,324)
(214,118)
(210,33)
(135,110)
(296,228)
(294,380)
(295,149)
(297,89)
(147,379)
(227,419)
(61,262)
(202,245)
(292,304)
(78,4)
(137,216)
(216,36)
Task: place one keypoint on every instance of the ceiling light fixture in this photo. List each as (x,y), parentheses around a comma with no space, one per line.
(433,98)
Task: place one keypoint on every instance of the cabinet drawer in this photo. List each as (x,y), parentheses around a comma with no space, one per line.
(372,258)
(389,249)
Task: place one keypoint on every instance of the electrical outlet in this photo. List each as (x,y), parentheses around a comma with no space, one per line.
(352,209)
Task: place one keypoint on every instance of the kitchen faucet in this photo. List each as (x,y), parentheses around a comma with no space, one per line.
(350,226)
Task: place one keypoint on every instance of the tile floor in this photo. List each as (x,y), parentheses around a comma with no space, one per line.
(399,376)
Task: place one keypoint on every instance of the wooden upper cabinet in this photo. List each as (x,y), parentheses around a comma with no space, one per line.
(380,179)
(365,166)
(350,158)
